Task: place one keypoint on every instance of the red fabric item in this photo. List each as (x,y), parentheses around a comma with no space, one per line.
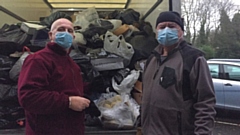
(48,77)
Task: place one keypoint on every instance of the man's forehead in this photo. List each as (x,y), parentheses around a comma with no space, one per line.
(62,23)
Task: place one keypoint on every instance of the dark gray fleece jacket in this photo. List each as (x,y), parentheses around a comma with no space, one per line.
(178,94)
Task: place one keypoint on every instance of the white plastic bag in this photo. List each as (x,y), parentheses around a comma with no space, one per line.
(117,45)
(15,71)
(134,107)
(127,83)
(118,111)
(86,17)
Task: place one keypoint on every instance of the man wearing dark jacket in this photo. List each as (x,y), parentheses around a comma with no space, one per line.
(178,94)
(50,87)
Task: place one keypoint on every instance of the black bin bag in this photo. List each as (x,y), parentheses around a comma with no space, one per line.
(88,71)
(47,21)
(8,95)
(6,63)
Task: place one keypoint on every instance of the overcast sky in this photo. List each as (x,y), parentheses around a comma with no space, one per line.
(237,2)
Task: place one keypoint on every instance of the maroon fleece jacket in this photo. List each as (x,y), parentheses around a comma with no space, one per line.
(48,77)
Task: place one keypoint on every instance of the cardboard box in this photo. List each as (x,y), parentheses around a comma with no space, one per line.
(139,131)
(137,96)
(74,17)
(137,92)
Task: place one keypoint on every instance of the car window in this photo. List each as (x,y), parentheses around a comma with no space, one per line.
(214,70)
(233,72)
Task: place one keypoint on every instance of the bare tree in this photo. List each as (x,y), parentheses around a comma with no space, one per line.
(203,13)
(189,18)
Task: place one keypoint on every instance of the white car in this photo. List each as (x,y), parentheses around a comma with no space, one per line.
(226,80)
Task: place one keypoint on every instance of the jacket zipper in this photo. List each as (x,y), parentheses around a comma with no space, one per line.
(159,64)
(150,112)
(156,73)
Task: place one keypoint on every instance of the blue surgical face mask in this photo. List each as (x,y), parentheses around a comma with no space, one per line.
(64,39)
(167,36)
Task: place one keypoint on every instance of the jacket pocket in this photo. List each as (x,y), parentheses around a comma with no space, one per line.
(168,77)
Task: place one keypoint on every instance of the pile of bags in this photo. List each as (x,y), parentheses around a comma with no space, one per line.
(11,114)
(109,49)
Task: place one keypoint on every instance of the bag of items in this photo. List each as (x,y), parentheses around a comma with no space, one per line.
(118,111)
(117,45)
(84,62)
(127,83)
(87,17)
(15,71)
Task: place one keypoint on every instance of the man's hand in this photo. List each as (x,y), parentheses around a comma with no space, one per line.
(78,103)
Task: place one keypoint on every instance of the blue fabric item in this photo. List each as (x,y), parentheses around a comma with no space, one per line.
(167,36)
(64,39)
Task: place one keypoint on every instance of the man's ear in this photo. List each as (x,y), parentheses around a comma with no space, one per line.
(50,35)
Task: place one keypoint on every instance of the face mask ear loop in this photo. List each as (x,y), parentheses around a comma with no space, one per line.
(180,38)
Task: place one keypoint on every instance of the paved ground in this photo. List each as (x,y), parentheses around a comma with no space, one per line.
(90,131)
(225,124)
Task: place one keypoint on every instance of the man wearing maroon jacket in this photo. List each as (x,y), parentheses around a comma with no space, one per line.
(50,87)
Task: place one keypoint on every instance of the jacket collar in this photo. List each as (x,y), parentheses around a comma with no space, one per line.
(57,49)
(159,49)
